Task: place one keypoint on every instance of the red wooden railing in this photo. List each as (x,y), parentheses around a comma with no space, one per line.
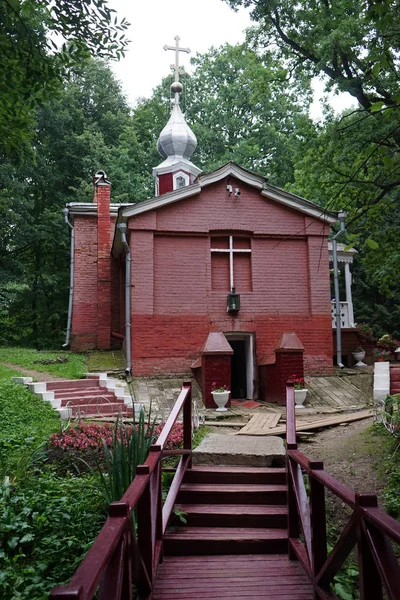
(369,528)
(120,556)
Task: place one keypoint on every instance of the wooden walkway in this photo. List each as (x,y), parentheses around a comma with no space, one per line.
(272,577)
(234,543)
(248,532)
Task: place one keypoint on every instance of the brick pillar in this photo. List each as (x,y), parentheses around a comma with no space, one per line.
(102,194)
(215,366)
(288,362)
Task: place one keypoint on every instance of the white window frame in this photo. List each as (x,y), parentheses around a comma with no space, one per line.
(180,174)
(231,250)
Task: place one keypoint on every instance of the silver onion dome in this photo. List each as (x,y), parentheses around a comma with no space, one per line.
(176,139)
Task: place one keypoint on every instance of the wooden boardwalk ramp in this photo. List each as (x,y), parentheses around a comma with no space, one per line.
(234,543)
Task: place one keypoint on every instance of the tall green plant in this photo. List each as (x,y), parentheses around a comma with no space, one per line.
(131,447)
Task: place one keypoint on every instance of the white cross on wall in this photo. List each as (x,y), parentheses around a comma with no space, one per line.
(231,251)
(176,68)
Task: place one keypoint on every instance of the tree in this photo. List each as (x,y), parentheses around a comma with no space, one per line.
(33,64)
(355,45)
(241,106)
(75,134)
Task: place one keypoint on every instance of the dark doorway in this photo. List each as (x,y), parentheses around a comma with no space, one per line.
(238,369)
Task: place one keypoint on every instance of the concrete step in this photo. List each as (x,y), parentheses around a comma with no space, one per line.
(241,450)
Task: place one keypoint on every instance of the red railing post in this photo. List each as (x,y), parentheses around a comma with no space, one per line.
(317,519)
(369,577)
(187,420)
(144,524)
(293,517)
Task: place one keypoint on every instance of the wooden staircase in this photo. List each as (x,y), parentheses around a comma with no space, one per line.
(234,543)
(249,533)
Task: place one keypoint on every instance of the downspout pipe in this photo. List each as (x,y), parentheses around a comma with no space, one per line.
(342,218)
(65,212)
(122,230)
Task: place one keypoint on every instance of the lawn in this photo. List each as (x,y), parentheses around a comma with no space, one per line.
(73,368)
(47,521)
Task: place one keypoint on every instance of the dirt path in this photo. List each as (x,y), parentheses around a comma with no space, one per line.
(31,373)
(350,453)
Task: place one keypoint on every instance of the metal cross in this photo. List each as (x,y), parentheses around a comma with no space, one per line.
(176,68)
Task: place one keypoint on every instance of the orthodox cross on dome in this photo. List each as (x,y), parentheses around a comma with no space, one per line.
(177,87)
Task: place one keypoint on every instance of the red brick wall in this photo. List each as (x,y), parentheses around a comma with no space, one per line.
(84,308)
(173,306)
(102,196)
(276,376)
(171,343)
(215,368)
(90,296)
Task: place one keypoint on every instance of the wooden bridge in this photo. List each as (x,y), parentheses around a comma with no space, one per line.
(249,533)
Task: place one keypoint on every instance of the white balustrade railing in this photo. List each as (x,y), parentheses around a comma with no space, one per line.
(345,318)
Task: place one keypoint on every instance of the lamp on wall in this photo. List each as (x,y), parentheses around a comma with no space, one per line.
(233,302)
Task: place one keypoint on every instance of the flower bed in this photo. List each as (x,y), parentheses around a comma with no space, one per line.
(91,436)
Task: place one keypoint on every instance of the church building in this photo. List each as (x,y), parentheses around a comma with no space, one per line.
(221,274)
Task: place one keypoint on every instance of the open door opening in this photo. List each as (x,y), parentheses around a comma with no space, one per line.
(242,365)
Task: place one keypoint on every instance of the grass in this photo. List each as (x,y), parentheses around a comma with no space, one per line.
(26,423)
(74,368)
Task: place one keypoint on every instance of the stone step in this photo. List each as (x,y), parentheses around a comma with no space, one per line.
(108,399)
(66,384)
(83,393)
(100,409)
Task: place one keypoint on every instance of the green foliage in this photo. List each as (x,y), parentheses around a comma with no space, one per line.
(242,107)
(390,460)
(354,162)
(47,524)
(33,65)
(75,134)
(346,583)
(26,423)
(130,448)
(73,368)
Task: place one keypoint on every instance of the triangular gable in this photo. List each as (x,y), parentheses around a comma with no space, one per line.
(253,179)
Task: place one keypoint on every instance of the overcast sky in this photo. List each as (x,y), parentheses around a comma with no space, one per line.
(200,25)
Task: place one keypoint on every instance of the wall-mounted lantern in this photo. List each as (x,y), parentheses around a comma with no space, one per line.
(233,302)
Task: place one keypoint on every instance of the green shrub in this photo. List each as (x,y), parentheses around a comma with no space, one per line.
(130,448)
(47,524)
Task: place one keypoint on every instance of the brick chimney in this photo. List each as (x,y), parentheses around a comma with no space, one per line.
(102,195)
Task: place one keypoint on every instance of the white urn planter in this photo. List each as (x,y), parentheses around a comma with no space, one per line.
(359,357)
(221,399)
(300,397)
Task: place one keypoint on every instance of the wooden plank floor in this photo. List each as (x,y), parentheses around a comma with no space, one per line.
(271,576)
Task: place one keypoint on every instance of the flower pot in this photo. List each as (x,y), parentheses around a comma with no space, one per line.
(300,397)
(359,357)
(221,399)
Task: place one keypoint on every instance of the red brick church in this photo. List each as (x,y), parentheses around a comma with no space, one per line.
(206,276)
